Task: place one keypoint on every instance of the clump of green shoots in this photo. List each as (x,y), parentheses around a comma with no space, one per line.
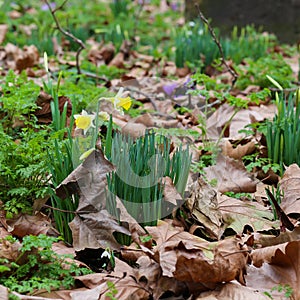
(283,132)
(140,168)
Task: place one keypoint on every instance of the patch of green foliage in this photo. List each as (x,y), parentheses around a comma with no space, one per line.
(39,267)
(281,288)
(238,195)
(195,46)
(254,72)
(23,171)
(283,132)
(252,161)
(17,101)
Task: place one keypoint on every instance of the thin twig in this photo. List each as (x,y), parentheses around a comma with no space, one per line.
(61,210)
(67,33)
(212,32)
(137,19)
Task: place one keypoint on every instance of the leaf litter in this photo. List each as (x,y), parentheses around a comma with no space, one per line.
(226,248)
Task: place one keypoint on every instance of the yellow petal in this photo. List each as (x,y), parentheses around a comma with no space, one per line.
(83,122)
(125,102)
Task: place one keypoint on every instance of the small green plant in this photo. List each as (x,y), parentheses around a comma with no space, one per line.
(61,162)
(285,289)
(39,267)
(238,195)
(141,164)
(17,101)
(254,72)
(283,132)
(112,291)
(59,119)
(252,161)
(23,170)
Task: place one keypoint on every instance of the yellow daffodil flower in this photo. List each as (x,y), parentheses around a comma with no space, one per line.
(119,101)
(84,121)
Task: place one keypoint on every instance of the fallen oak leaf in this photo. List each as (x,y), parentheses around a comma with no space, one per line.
(231,176)
(23,224)
(95,230)
(189,258)
(282,268)
(289,184)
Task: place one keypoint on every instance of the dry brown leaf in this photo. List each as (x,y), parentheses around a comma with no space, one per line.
(232,291)
(261,280)
(134,130)
(44,114)
(188,258)
(284,268)
(239,151)
(237,214)
(95,230)
(231,176)
(217,121)
(118,61)
(203,205)
(10,250)
(88,179)
(124,279)
(290,185)
(151,271)
(265,240)
(264,255)
(23,225)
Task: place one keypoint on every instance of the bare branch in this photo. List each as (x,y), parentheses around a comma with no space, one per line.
(67,33)
(212,32)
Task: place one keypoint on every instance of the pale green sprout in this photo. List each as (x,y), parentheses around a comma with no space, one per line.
(46,62)
(275,82)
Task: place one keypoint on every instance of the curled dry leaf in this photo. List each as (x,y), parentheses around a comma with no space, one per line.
(283,267)
(290,185)
(23,225)
(10,251)
(44,114)
(239,151)
(188,258)
(265,240)
(123,278)
(232,291)
(231,176)
(89,180)
(203,205)
(237,214)
(158,284)
(95,230)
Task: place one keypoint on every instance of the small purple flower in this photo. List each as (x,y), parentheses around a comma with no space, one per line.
(44,7)
(174,6)
(170,88)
